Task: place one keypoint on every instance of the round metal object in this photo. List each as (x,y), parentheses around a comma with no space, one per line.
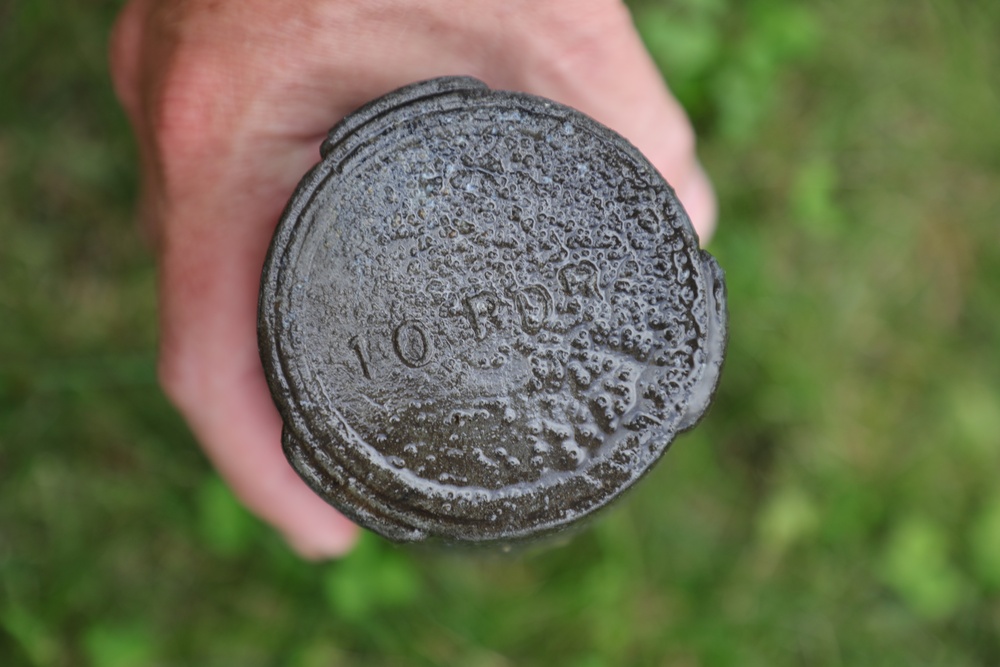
(484,316)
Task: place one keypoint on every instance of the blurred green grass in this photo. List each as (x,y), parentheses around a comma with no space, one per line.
(839,506)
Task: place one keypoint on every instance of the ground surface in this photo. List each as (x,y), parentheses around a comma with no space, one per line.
(839,505)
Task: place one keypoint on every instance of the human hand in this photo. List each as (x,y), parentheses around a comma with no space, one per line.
(230,99)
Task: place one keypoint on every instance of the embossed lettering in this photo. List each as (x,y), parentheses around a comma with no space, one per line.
(534,304)
(481,309)
(360,347)
(411,344)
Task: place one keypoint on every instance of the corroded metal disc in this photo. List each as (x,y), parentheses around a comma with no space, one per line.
(483,316)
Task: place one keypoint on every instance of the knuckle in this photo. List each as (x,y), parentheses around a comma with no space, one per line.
(190,112)
(574,39)
(187,109)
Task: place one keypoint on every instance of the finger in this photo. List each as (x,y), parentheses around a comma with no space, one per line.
(126,50)
(600,66)
(123,55)
(219,388)
(211,257)
(241,433)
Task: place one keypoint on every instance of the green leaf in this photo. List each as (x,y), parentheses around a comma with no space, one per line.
(682,47)
(916,565)
(787,30)
(375,575)
(225,525)
(349,596)
(742,97)
(112,646)
(397,581)
(975,412)
(812,197)
(31,633)
(788,517)
(984,541)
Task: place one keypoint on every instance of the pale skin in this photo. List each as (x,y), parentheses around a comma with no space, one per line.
(229,100)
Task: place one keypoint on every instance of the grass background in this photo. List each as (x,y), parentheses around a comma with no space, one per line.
(839,506)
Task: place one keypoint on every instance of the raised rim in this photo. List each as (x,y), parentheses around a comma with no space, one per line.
(332,470)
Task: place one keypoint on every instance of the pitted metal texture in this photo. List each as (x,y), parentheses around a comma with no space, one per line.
(484,316)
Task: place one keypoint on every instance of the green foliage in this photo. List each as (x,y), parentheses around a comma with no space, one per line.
(725,61)
(226,526)
(812,200)
(32,638)
(117,646)
(838,506)
(985,544)
(371,579)
(916,564)
(788,517)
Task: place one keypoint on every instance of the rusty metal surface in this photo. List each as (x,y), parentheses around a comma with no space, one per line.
(484,316)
